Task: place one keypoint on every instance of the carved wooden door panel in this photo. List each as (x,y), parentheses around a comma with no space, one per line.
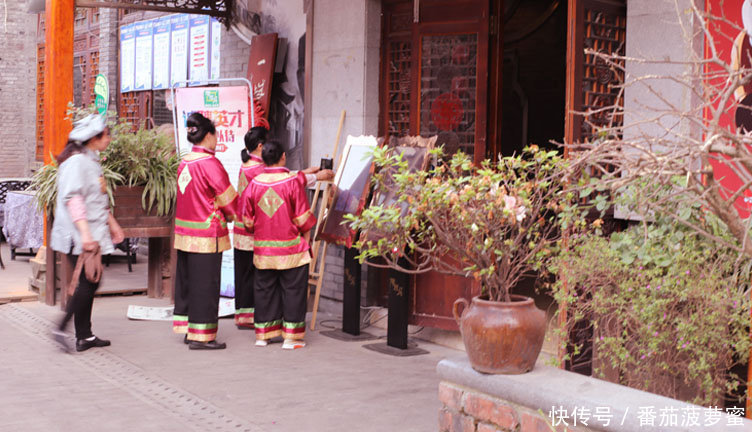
(598,25)
(434,80)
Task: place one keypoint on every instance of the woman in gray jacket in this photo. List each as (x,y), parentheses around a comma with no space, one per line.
(83,220)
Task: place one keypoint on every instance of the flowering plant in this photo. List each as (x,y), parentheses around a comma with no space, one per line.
(496,223)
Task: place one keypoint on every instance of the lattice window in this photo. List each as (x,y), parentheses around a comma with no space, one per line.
(91,76)
(79,71)
(604,32)
(40,103)
(448,73)
(398,88)
(130,108)
(80,19)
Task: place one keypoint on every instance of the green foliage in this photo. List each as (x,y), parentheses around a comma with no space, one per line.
(495,223)
(669,307)
(144,158)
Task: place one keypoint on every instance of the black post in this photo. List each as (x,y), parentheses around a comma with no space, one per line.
(399,288)
(351,294)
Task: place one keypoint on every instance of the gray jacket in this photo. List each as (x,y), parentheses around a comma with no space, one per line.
(80,175)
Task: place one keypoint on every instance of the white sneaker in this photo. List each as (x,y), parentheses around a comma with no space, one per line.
(261,343)
(289,344)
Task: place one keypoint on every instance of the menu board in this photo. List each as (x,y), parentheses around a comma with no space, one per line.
(127,57)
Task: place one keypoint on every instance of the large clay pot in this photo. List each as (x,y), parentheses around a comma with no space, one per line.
(501,337)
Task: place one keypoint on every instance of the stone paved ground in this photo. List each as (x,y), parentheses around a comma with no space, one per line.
(149,381)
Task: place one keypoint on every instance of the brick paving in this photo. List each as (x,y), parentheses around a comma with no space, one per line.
(148,379)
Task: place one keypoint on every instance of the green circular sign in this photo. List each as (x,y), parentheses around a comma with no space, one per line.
(101,94)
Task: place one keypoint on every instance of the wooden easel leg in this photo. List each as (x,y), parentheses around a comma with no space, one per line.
(319,281)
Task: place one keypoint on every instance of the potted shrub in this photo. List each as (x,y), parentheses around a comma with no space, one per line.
(495,224)
(140,164)
(669,306)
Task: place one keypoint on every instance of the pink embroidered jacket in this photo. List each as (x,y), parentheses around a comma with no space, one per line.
(242,238)
(275,207)
(206,201)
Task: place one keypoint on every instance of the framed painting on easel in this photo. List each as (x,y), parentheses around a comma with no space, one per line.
(351,184)
(416,151)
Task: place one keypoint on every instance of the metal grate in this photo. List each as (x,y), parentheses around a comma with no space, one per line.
(194,412)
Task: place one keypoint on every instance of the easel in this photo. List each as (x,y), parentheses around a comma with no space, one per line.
(316,273)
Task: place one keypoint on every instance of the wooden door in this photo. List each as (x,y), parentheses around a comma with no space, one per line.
(434,81)
(599,25)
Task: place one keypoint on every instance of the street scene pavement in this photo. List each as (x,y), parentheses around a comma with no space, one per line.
(148,380)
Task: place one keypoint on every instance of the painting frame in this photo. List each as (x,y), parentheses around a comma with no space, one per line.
(350,189)
(417,161)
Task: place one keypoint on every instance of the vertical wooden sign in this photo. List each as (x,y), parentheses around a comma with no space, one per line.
(261,68)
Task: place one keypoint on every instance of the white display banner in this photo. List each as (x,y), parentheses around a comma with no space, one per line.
(127,57)
(229,109)
(198,63)
(144,45)
(216,40)
(178,49)
(161,78)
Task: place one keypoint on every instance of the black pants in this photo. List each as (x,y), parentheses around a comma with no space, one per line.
(197,282)
(244,305)
(79,305)
(281,302)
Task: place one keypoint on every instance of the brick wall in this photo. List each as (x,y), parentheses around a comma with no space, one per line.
(18,91)
(467,410)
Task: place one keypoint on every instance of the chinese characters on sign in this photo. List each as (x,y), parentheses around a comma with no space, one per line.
(667,416)
(167,51)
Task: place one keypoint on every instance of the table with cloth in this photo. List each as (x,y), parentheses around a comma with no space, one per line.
(23,224)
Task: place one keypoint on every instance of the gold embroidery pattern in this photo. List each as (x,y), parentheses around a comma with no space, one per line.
(242,183)
(226,197)
(270,202)
(193,156)
(195,244)
(184,179)
(243,242)
(301,220)
(273,177)
(283,262)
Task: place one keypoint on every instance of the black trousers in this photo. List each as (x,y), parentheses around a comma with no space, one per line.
(197,282)
(80,304)
(244,305)
(281,302)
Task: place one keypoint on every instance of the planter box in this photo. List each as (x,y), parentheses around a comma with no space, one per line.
(136,222)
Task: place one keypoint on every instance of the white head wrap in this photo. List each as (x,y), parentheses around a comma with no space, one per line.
(747,17)
(87,128)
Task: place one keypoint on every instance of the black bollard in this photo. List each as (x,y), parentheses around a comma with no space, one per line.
(351,294)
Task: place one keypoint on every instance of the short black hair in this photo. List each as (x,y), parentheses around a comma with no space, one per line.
(198,126)
(255,136)
(272,152)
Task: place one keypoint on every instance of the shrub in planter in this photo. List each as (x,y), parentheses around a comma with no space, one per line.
(143,158)
(669,307)
(496,224)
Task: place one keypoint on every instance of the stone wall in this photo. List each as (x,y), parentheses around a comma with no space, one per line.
(18,74)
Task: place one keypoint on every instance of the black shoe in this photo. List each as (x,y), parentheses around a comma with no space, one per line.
(62,339)
(83,344)
(213,345)
(185,339)
(245,327)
